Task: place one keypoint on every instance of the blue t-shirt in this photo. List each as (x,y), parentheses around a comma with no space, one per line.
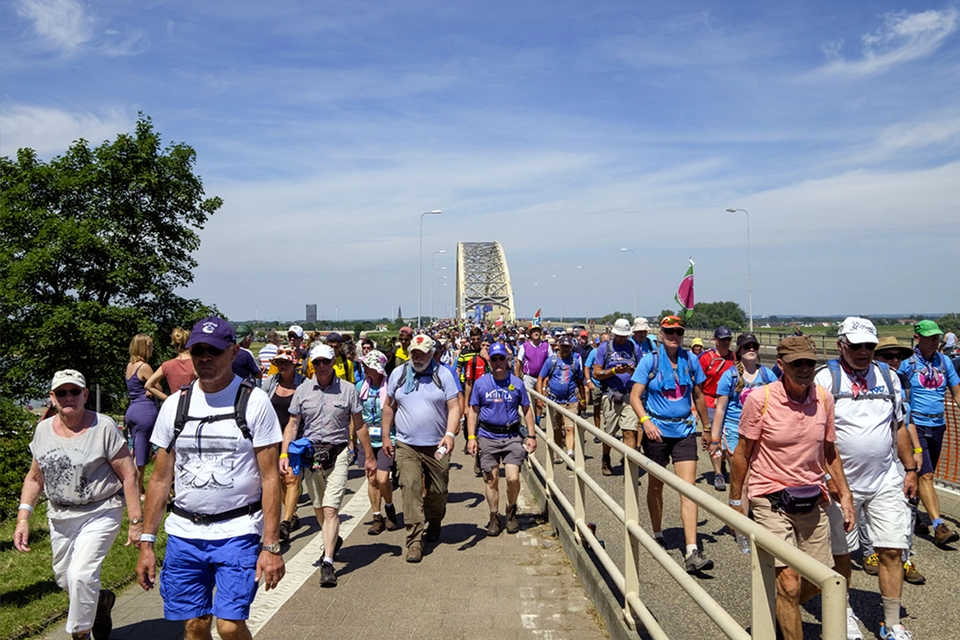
(626,353)
(456,376)
(929,380)
(588,365)
(564,377)
(499,402)
(670,406)
(373,415)
(726,386)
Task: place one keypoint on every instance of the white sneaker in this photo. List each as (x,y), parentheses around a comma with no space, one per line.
(896,632)
(853,626)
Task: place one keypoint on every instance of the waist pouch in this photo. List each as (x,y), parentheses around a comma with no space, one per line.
(616,396)
(325,455)
(795,499)
(510,429)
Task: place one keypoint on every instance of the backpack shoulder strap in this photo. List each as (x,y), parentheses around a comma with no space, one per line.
(766,399)
(606,352)
(183,406)
(240,406)
(734,378)
(834,367)
(655,367)
(553,365)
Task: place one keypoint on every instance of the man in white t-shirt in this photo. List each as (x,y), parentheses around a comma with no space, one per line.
(870,438)
(227,493)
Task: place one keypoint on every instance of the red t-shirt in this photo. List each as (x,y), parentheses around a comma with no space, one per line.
(475,368)
(713,365)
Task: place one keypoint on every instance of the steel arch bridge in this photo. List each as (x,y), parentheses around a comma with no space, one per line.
(483,279)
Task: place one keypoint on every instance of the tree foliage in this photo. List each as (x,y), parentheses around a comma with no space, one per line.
(95,244)
(710,315)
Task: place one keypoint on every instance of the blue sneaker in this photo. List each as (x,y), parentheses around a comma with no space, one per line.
(896,632)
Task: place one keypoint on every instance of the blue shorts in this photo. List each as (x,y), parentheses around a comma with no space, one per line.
(931,441)
(192,568)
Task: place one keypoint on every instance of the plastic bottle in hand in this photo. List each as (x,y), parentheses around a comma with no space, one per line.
(743,542)
(440,452)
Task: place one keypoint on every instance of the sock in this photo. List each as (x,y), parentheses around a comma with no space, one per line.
(387,505)
(658,535)
(936,523)
(376,513)
(327,560)
(891,611)
(690,549)
(570,452)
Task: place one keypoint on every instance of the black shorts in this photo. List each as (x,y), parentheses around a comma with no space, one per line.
(675,449)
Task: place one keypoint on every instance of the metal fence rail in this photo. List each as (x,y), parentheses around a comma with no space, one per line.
(765,546)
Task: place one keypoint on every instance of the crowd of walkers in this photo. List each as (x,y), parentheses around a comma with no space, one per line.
(831,459)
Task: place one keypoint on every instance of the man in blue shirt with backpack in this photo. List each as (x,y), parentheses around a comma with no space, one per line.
(561,380)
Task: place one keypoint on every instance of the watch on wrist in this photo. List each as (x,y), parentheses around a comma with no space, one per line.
(272,548)
(135,521)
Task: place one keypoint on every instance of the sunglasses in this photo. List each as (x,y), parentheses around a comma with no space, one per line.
(497,358)
(799,364)
(62,393)
(750,347)
(869,346)
(673,332)
(888,356)
(322,361)
(200,350)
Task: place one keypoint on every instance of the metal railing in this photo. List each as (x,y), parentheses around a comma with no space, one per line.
(765,547)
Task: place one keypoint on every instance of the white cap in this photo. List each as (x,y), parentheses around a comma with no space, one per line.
(321,351)
(296,330)
(421,342)
(68,376)
(640,324)
(858,331)
(621,328)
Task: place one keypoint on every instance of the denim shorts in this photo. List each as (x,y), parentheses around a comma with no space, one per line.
(192,568)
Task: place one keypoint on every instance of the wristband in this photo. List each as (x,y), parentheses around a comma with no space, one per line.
(452,435)
(827,477)
(914,469)
(471,437)
(24,505)
(915,450)
(735,503)
(714,442)
(284,455)
(148,537)
(135,521)
(644,419)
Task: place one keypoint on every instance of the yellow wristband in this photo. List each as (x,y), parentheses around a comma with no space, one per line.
(644,419)
(471,437)
(918,450)
(283,455)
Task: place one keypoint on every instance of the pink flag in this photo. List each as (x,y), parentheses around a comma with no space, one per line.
(684,295)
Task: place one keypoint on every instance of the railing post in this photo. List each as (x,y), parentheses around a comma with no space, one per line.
(548,454)
(631,546)
(833,612)
(764,592)
(579,487)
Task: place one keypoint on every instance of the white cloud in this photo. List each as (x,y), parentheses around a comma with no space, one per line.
(63,24)
(130,43)
(902,38)
(50,131)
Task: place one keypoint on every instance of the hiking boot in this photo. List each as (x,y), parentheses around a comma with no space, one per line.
(605,466)
(696,562)
(390,517)
(871,565)
(284,531)
(432,534)
(415,552)
(294,522)
(943,535)
(328,577)
(103,622)
(493,527)
(719,483)
(377,527)
(513,525)
(911,574)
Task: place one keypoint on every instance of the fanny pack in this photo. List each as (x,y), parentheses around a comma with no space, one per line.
(795,499)
(510,429)
(616,396)
(325,455)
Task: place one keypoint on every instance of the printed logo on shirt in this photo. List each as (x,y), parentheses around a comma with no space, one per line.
(678,393)
(930,378)
(497,395)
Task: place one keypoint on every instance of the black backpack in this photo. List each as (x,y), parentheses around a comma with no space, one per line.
(239,411)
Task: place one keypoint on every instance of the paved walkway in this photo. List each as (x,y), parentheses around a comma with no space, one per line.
(467,586)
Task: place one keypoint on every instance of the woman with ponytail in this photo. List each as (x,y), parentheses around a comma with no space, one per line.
(176,371)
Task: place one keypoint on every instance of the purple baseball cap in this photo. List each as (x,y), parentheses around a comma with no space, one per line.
(213,331)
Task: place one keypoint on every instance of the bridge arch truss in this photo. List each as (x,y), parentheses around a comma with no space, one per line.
(483,279)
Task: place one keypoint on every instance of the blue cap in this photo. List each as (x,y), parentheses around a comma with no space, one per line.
(498,349)
(722,333)
(213,331)
(333,336)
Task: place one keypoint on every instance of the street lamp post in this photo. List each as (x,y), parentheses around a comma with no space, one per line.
(634,278)
(433,288)
(749,267)
(433,267)
(435,212)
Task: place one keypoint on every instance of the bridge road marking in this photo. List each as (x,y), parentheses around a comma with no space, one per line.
(302,566)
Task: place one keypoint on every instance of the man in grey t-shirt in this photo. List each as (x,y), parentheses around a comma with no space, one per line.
(423,399)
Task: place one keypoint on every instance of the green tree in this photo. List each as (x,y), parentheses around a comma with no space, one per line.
(949,321)
(710,315)
(94,245)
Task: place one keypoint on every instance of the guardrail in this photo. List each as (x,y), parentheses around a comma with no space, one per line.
(765,547)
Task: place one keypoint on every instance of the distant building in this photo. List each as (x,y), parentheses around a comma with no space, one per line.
(311,313)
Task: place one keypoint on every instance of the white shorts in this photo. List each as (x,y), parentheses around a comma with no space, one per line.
(886,516)
(530,382)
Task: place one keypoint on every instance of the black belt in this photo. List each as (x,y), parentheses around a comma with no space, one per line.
(510,429)
(203,518)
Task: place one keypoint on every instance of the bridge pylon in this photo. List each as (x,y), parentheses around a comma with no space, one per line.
(483,279)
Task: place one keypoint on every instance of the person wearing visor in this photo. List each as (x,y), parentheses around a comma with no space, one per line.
(787,445)
(494,422)
(227,505)
(82,464)
(666,386)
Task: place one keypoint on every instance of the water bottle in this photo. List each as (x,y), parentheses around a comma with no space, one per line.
(744,543)
(440,452)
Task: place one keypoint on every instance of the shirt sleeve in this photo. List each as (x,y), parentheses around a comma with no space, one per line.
(524,396)
(725,386)
(262,420)
(392,382)
(113,440)
(952,378)
(353,399)
(545,369)
(698,376)
(296,403)
(163,427)
(830,434)
(450,390)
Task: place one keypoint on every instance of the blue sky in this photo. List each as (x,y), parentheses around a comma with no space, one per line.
(565,130)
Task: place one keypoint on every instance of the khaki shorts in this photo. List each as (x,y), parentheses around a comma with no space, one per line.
(617,417)
(559,422)
(596,395)
(326,488)
(809,532)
